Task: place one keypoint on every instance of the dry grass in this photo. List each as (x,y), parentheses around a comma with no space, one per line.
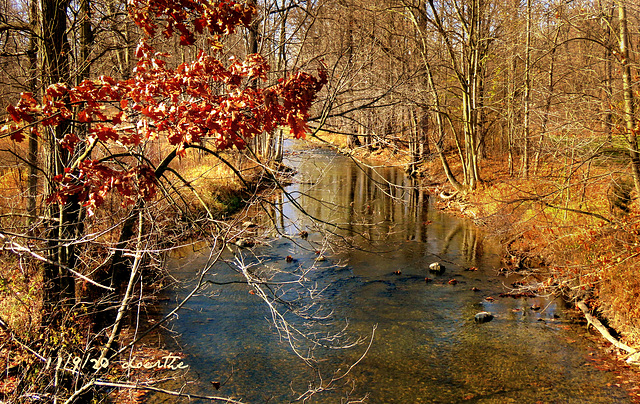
(335,139)
(20,296)
(208,180)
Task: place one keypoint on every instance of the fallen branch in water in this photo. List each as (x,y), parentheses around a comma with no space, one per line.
(633,353)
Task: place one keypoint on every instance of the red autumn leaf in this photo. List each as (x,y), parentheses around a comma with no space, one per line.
(108,80)
(103,133)
(84,116)
(27,99)
(56,90)
(199,24)
(15,114)
(70,141)
(256,66)
(117,119)
(17,135)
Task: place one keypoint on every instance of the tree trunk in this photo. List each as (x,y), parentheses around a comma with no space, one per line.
(629,106)
(59,284)
(32,156)
(253,35)
(352,140)
(527,96)
(438,143)
(86,40)
(439,114)
(547,106)
(607,107)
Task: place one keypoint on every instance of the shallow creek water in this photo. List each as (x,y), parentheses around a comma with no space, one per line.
(427,347)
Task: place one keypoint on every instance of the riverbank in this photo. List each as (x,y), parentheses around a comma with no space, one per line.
(571,227)
(426,343)
(533,233)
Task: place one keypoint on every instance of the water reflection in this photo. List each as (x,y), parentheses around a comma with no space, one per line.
(383,234)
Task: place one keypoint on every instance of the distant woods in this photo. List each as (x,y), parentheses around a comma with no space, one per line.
(115,117)
(457,80)
(460,80)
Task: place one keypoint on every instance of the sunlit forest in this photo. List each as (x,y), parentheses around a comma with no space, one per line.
(130,127)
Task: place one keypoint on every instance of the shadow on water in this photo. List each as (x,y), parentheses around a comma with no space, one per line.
(427,349)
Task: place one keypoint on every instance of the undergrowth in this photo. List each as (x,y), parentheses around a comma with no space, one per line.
(30,350)
(577,227)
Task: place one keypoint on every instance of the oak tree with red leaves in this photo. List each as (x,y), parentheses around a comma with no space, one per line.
(225,101)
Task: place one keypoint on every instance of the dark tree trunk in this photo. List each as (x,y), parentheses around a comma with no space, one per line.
(59,284)
(32,156)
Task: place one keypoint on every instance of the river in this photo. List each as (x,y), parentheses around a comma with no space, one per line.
(375,235)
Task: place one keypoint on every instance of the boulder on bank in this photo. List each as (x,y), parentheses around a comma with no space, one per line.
(483,317)
(436,268)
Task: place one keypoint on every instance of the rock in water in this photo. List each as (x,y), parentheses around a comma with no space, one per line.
(483,317)
(245,243)
(436,268)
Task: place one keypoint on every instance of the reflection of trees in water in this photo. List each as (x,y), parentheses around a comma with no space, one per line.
(418,209)
(374,204)
(357,205)
(469,244)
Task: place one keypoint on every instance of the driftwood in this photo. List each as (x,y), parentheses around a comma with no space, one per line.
(446,197)
(634,356)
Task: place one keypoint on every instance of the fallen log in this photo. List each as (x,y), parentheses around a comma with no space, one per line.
(634,356)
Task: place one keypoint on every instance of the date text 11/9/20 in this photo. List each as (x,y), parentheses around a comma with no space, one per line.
(168,362)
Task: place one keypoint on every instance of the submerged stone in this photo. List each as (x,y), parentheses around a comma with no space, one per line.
(436,267)
(483,317)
